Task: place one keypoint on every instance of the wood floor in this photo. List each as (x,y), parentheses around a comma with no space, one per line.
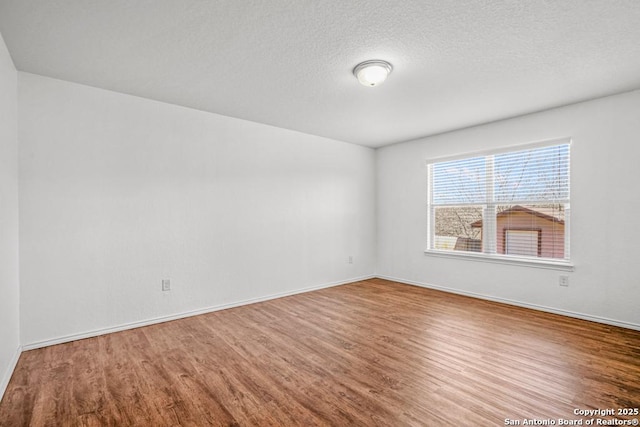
(368,353)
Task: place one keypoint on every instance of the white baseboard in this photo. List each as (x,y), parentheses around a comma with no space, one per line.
(567,313)
(9,372)
(147,322)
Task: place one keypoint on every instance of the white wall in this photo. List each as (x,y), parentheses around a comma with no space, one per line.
(604,212)
(119,192)
(9,288)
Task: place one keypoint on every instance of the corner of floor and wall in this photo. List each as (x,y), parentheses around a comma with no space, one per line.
(105,195)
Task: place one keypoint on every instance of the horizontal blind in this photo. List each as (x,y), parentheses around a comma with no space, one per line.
(459,182)
(508,203)
(538,175)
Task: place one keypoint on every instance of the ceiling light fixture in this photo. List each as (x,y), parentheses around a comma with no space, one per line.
(372,73)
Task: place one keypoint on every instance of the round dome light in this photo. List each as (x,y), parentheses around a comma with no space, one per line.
(372,73)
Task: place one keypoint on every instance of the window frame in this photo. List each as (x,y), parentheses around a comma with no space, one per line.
(491,255)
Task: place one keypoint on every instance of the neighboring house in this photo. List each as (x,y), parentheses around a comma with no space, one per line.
(529,232)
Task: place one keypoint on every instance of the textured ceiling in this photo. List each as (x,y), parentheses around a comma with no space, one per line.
(288,62)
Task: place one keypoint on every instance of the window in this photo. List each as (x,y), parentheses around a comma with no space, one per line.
(511,205)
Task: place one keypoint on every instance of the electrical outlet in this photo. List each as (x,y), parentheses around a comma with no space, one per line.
(350,259)
(564,281)
(166,284)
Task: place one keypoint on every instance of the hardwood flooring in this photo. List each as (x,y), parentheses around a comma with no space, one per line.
(367,353)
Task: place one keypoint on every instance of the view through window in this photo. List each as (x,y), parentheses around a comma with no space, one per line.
(511,204)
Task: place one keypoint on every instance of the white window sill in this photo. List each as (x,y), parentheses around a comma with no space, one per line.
(504,259)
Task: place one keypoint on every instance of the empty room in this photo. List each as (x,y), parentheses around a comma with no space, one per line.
(298,213)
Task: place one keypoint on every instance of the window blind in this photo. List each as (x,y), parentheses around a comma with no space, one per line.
(512,204)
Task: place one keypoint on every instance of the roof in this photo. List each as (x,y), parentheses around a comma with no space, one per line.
(544,213)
